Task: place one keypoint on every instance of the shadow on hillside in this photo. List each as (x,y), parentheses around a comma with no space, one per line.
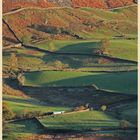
(29,56)
(53,30)
(72,97)
(35,127)
(25,101)
(105,81)
(80,126)
(74,61)
(63,93)
(69,96)
(32,126)
(10,39)
(85,47)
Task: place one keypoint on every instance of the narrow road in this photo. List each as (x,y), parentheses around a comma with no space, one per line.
(49,8)
(36,8)
(123,7)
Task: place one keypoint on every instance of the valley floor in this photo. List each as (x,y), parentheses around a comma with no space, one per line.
(71,82)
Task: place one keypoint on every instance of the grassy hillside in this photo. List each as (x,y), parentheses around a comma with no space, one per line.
(114,82)
(33,60)
(126,49)
(9,5)
(32,129)
(129,112)
(102,3)
(19,105)
(21,129)
(92,62)
(80,121)
(71,46)
(36,25)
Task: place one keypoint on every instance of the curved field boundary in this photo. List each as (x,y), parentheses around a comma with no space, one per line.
(88,86)
(59,53)
(25,119)
(82,54)
(70,130)
(92,131)
(123,7)
(93,71)
(124,102)
(36,119)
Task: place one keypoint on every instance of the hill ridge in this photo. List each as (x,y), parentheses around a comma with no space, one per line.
(9,5)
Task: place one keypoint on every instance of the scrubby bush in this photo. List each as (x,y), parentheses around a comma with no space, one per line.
(59,65)
(13,66)
(52,47)
(104,46)
(21,79)
(29,114)
(103,107)
(7,112)
(13,62)
(125,124)
(79,108)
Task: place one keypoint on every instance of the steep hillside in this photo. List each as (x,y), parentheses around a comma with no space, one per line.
(9,5)
(119,3)
(101,3)
(89,3)
(35,25)
(62,2)
(8,37)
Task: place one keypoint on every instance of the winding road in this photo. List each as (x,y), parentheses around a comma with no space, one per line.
(49,8)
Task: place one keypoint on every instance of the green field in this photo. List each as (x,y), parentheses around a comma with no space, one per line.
(125,49)
(100,70)
(114,81)
(93,63)
(19,105)
(113,14)
(72,46)
(80,121)
(129,112)
(35,60)
(22,129)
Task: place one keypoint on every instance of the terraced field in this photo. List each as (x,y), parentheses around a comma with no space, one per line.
(115,48)
(19,105)
(61,67)
(80,121)
(129,112)
(23,129)
(70,46)
(114,82)
(34,60)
